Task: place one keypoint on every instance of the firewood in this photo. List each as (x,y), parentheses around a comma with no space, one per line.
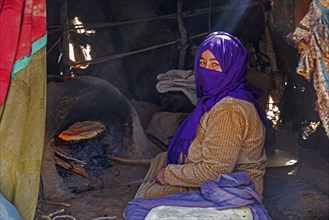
(62,163)
(79,169)
(56,203)
(62,154)
(76,168)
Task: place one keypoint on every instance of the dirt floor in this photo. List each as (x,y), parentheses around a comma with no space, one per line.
(105,196)
(108,196)
(312,165)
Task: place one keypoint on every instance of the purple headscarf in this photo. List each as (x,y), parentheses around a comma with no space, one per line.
(212,86)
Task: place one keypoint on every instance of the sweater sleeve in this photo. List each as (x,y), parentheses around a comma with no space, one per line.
(224,131)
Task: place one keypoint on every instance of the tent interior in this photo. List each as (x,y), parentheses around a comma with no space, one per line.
(106,60)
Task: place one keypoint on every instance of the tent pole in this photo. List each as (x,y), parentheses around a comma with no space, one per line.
(65,59)
(183,33)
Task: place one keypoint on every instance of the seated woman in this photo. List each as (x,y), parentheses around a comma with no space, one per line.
(226,131)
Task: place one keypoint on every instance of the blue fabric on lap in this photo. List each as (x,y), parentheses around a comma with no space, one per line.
(228,191)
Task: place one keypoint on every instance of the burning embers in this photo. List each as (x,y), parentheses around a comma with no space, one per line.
(80,149)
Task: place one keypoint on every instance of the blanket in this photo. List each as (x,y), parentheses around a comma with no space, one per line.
(178,80)
(228,191)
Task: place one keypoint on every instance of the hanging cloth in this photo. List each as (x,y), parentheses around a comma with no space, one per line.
(312,38)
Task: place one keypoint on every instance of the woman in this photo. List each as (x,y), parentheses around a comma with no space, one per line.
(226,131)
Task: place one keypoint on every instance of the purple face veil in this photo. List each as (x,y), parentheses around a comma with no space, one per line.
(212,86)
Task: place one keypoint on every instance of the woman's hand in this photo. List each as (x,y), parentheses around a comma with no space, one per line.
(161,176)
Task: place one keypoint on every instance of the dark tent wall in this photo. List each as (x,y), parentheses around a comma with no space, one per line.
(135,75)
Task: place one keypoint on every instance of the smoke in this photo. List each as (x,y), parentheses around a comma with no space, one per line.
(228,19)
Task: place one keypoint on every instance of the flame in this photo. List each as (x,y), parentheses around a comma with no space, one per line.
(273,111)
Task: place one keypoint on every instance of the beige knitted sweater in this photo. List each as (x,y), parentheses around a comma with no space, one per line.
(229,139)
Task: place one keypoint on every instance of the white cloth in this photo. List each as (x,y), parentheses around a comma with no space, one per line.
(178,80)
(190,213)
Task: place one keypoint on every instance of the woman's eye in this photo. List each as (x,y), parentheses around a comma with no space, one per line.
(215,64)
(202,63)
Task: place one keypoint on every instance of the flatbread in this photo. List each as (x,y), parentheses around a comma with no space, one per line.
(82,130)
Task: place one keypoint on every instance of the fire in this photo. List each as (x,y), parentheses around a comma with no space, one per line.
(273,111)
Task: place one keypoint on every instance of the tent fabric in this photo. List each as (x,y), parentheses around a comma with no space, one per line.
(22,101)
(21,24)
(22,132)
